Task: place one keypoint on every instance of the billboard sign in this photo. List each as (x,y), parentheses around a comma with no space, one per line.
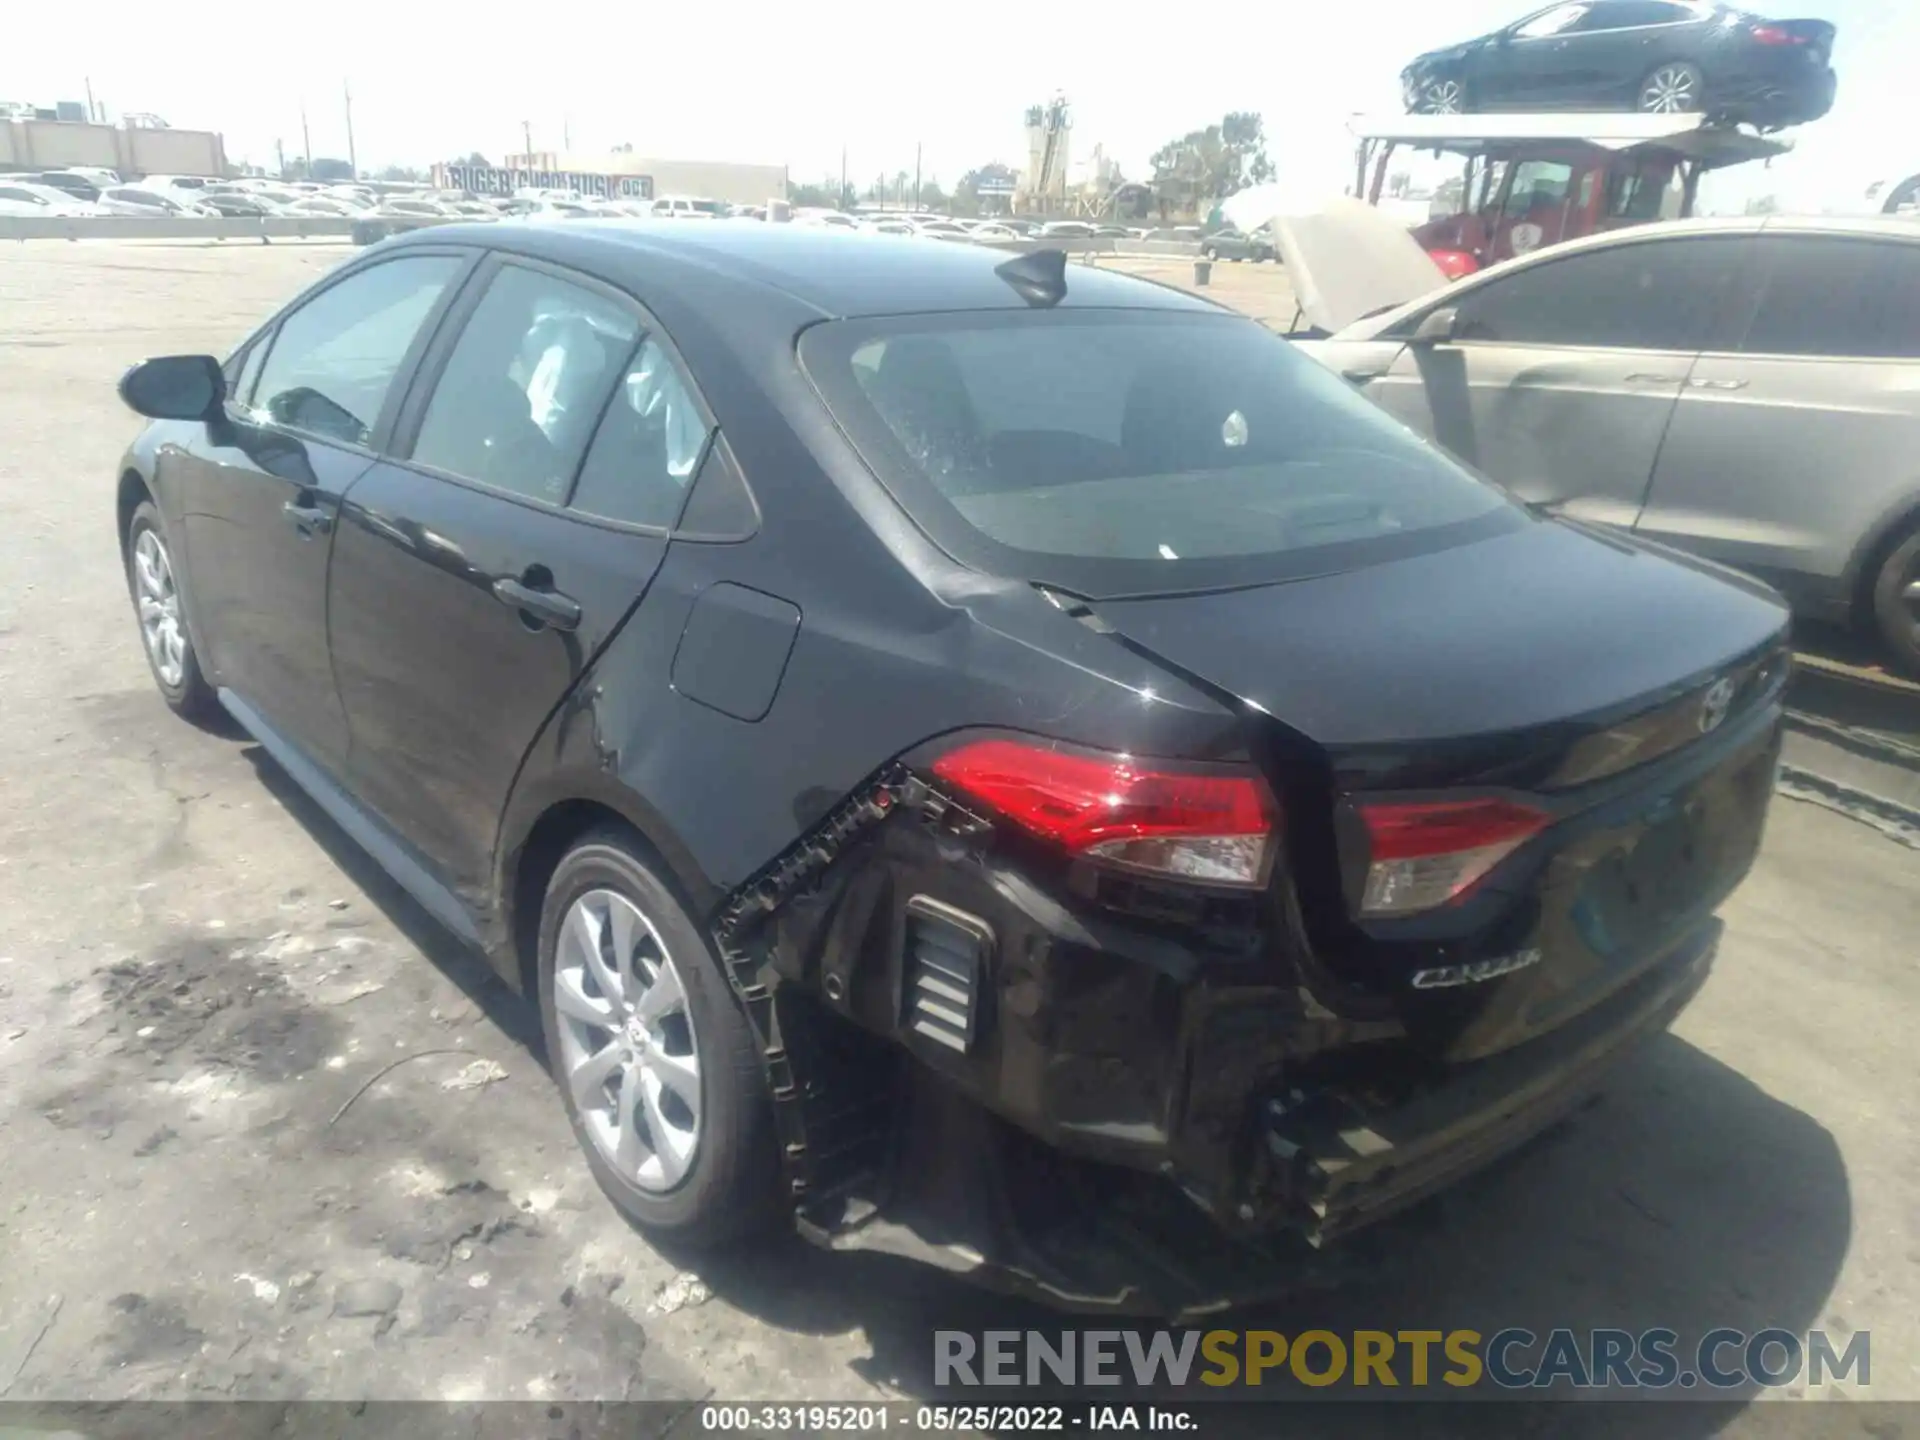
(487,180)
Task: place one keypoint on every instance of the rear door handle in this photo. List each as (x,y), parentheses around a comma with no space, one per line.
(1361,377)
(1656,379)
(309,520)
(1717,384)
(561,612)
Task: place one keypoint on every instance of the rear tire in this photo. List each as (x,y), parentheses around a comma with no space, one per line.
(1896,603)
(1676,88)
(629,1055)
(159,607)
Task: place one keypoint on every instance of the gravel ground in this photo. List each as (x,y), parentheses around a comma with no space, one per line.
(265,1132)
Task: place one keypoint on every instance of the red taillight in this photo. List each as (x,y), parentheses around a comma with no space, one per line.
(1146,815)
(1774,35)
(1424,855)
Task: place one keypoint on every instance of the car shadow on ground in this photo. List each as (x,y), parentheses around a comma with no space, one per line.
(1688,1199)
(514,1017)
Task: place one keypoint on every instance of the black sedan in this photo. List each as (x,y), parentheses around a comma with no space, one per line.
(978,756)
(1658,56)
(1230,243)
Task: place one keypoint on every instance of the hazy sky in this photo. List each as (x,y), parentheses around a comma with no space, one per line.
(793,83)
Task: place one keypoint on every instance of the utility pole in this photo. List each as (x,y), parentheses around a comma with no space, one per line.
(353,159)
(92,112)
(841,200)
(916,175)
(306,139)
(566,133)
(280,158)
(526,134)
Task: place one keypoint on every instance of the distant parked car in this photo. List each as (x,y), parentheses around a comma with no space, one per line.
(36,200)
(137,200)
(1066,230)
(1747,390)
(187,187)
(72,182)
(991,230)
(683,207)
(237,207)
(1231,243)
(1662,56)
(941,229)
(1112,232)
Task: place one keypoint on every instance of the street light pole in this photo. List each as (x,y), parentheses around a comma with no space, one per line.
(353,158)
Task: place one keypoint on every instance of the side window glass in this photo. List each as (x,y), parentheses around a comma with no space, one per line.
(1857,298)
(334,359)
(528,377)
(648,447)
(1658,295)
(1552,22)
(242,370)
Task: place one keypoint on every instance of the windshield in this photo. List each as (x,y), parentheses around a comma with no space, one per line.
(1136,452)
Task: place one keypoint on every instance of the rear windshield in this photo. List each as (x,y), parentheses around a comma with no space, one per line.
(1114,452)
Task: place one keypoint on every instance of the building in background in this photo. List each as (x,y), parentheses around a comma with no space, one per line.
(706,179)
(130,150)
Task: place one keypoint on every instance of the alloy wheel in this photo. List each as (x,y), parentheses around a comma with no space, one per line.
(158,599)
(1671,90)
(1444,97)
(628,1053)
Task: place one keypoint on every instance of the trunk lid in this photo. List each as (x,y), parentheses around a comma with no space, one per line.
(1452,666)
(1629,694)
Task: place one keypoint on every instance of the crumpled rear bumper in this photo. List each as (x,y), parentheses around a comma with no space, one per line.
(1341,1162)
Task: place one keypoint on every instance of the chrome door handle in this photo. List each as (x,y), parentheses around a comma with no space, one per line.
(1361,377)
(1656,379)
(1716,384)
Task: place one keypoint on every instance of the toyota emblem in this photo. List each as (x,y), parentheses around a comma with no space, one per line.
(1715,704)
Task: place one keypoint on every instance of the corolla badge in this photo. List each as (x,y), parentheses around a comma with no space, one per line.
(1714,705)
(1474,972)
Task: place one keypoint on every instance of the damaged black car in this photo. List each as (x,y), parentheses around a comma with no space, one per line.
(982,759)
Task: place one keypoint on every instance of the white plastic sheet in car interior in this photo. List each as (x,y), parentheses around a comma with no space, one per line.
(1345,259)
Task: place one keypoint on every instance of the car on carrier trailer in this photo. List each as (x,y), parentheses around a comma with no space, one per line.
(1007,764)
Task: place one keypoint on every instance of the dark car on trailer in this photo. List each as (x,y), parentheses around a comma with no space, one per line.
(1004,768)
(1658,56)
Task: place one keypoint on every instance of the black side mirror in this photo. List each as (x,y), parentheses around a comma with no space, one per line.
(1438,328)
(175,387)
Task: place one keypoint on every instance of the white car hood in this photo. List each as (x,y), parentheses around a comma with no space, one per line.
(1346,260)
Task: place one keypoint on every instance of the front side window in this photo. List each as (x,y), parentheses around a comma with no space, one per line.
(1840,297)
(1121,452)
(1647,295)
(1631,14)
(648,447)
(1550,22)
(335,358)
(525,384)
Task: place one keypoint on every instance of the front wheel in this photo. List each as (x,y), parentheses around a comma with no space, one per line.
(657,1067)
(1442,97)
(1896,603)
(1674,89)
(155,587)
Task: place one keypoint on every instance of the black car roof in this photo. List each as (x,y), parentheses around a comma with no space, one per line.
(835,274)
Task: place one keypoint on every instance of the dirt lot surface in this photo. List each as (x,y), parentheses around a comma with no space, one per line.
(212,1183)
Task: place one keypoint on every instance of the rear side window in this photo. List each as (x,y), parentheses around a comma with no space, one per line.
(1840,297)
(1133,452)
(648,447)
(1647,295)
(525,384)
(334,359)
